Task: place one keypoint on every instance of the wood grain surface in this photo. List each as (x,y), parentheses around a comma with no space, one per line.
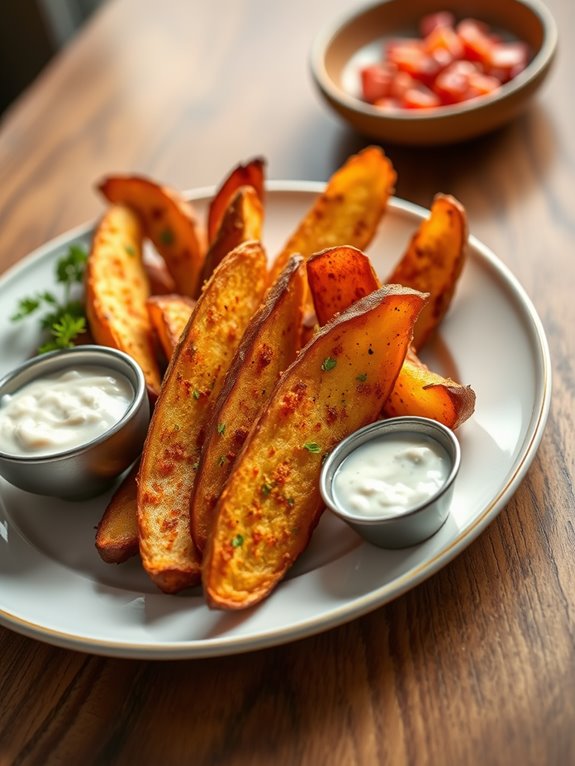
(477,664)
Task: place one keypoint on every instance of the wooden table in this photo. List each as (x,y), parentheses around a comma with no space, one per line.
(476,665)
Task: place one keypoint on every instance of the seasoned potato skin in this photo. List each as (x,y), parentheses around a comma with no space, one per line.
(419,391)
(169,315)
(242,221)
(337,277)
(117,290)
(252,174)
(168,220)
(348,211)
(191,385)
(433,262)
(271,502)
(117,532)
(268,347)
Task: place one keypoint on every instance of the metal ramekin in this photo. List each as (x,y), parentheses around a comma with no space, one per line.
(89,469)
(415,524)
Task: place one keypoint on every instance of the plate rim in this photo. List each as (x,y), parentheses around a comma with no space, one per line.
(360,605)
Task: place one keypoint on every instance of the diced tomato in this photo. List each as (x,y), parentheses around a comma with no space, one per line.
(401,83)
(376,81)
(449,64)
(435,21)
(420,97)
(507,60)
(481,85)
(444,39)
(476,41)
(415,61)
(452,84)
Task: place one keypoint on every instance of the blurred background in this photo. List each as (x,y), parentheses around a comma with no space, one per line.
(32,31)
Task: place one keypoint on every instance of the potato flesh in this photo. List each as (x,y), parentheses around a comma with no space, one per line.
(191,385)
(269,346)
(271,503)
(419,391)
(336,277)
(117,290)
(169,315)
(433,262)
(242,221)
(348,211)
(169,221)
(117,533)
(251,174)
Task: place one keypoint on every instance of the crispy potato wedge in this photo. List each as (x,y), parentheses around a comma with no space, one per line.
(419,391)
(433,262)
(268,347)
(349,210)
(271,502)
(242,221)
(169,315)
(160,279)
(168,220)
(117,290)
(338,277)
(117,532)
(191,385)
(251,174)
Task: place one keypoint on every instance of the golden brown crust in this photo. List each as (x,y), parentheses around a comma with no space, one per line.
(252,174)
(117,289)
(191,385)
(271,502)
(117,533)
(242,221)
(433,262)
(168,220)
(268,347)
(348,212)
(169,315)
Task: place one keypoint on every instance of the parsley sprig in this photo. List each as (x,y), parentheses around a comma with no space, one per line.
(64,318)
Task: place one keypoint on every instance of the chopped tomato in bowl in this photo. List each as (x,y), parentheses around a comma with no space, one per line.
(453,61)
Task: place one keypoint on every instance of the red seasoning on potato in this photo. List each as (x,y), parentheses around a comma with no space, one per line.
(451,63)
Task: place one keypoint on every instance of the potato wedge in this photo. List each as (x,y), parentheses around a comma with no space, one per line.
(117,532)
(191,385)
(168,220)
(268,347)
(160,279)
(419,391)
(117,290)
(242,221)
(338,277)
(433,262)
(349,210)
(251,174)
(169,315)
(271,502)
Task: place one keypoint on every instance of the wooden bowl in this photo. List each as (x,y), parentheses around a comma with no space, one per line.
(357,39)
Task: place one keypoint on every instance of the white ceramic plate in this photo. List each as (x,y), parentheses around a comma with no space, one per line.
(54,587)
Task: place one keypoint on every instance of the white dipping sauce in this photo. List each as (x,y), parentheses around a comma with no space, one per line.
(58,412)
(387,476)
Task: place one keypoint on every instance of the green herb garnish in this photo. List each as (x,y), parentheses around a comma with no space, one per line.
(221,428)
(266,489)
(63,318)
(312,447)
(328,364)
(167,237)
(237,541)
(362,377)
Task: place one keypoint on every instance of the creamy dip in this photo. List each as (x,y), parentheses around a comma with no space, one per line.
(388,475)
(58,412)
